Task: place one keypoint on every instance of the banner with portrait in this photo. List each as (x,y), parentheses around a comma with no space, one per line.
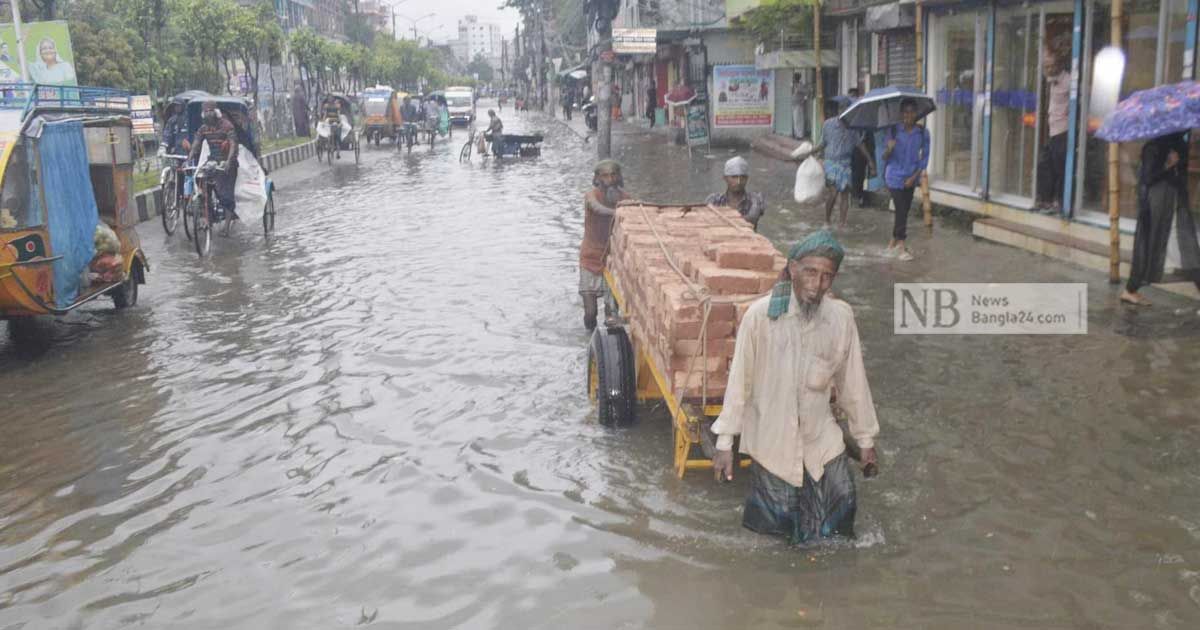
(48,53)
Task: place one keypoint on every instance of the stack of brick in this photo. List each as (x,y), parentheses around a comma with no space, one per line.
(715,249)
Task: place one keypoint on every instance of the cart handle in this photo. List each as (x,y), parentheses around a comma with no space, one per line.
(30,263)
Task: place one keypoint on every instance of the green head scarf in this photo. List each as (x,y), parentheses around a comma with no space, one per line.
(820,243)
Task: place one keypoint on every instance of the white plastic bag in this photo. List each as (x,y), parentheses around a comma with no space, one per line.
(802,151)
(810,181)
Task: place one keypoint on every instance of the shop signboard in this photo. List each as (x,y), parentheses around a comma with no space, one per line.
(697,123)
(635,41)
(743,96)
(141,110)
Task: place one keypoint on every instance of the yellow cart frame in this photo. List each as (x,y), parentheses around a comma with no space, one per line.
(687,419)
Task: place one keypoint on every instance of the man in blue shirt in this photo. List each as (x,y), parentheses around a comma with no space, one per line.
(838,144)
(905,159)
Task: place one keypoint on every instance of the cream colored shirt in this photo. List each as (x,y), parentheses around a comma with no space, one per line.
(779,386)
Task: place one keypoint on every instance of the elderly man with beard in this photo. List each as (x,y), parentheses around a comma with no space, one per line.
(794,348)
(751,205)
(599,206)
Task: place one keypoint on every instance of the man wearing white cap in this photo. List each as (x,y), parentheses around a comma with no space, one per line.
(751,205)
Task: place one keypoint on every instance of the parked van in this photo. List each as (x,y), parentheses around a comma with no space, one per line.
(461,102)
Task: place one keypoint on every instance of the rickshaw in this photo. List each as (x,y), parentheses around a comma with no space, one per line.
(348,138)
(510,145)
(381,115)
(173,176)
(67,214)
(254,190)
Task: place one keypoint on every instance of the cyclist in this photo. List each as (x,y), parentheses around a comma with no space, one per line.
(175,138)
(410,114)
(221,138)
(332,113)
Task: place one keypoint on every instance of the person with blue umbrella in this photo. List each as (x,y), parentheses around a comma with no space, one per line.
(1162,115)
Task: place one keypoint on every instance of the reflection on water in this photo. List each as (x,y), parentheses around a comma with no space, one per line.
(380,418)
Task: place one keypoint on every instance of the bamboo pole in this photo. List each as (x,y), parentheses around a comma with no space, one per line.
(1114,175)
(919,27)
(820,102)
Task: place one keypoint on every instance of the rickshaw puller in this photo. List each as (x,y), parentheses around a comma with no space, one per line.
(221,137)
(599,207)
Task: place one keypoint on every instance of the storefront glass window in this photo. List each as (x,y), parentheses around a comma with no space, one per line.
(957,82)
(1015,104)
(1142,34)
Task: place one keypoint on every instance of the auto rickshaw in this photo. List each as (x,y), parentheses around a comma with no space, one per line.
(381,105)
(67,212)
(347,136)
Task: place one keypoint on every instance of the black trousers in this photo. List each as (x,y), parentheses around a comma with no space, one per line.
(650,114)
(902,199)
(1052,169)
(858,170)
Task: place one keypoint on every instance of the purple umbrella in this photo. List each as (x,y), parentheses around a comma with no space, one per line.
(1151,113)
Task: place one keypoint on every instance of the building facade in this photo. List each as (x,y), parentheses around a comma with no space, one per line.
(1012,138)
(477,38)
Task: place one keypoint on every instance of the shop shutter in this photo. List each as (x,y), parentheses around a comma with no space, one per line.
(901,57)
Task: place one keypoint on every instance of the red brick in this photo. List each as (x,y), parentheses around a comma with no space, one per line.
(729,281)
(737,256)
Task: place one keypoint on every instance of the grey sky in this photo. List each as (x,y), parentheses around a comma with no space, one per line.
(443,26)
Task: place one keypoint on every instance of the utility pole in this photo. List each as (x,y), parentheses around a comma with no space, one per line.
(540,56)
(605,11)
(16,11)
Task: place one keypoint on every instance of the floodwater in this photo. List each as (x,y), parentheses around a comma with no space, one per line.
(379,419)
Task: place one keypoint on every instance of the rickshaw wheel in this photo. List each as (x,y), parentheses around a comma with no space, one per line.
(317,150)
(611,354)
(170,212)
(201,227)
(126,295)
(357,151)
(269,215)
(186,211)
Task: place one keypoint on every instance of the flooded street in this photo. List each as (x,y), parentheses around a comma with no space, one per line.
(379,419)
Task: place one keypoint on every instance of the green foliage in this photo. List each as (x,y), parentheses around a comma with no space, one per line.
(166,46)
(791,17)
(481,68)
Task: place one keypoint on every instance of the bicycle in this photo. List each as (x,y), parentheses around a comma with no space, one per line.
(175,193)
(408,136)
(203,205)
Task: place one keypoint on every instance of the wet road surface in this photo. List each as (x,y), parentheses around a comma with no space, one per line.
(379,419)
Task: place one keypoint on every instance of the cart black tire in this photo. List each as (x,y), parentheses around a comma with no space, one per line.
(317,151)
(610,360)
(357,152)
(126,295)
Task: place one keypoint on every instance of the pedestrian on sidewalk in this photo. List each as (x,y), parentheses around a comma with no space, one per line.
(1162,198)
(651,102)
(858,165)
(799,106)
(1052,162)
(751,205)
(568,102)
(838,144)
(904,160)
(599,207)
(794,348)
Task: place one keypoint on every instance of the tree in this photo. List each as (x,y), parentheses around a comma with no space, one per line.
(775,17)
(480,67)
